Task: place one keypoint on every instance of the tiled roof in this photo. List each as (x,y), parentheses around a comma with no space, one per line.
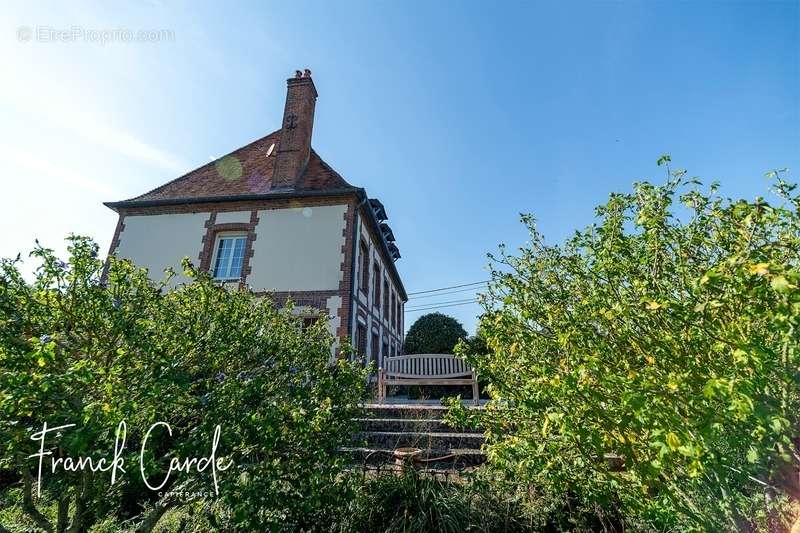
(245,171)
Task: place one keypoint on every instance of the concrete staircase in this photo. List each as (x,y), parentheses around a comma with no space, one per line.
(386,427)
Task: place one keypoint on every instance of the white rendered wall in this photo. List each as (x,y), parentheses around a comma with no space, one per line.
(233,217)
(156,242)
(298,249)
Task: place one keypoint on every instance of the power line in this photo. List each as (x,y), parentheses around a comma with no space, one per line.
(440,306)
(446,288)
(444,302)
(444,293)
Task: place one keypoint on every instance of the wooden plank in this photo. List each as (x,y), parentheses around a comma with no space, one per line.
(426,366)
(423,356)
(426,381)
(422,376)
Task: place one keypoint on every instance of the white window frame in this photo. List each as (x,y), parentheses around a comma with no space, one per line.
(219,237)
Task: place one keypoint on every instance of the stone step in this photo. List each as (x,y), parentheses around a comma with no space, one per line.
(413,411)
(447,459)
(419,439)
(405,424)
(423,412)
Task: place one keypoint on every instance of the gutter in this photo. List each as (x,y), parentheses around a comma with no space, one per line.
(232,198)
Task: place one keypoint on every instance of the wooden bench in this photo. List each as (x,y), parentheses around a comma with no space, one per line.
(425,369)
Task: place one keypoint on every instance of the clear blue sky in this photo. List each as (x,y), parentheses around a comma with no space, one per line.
(458,115)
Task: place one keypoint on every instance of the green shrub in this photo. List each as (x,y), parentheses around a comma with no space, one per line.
(434,333)
(413,502)
(649,366)
(75,349)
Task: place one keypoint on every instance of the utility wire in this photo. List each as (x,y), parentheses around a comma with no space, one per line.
(473,289)
(439,306)
(446,288)
(444,302)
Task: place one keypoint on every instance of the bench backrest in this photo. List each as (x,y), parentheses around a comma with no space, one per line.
(426,366)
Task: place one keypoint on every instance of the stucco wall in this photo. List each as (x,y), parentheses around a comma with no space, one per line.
(295,249)
(298,249)
(228,217)
(160,241)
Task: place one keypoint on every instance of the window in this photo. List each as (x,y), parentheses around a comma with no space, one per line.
(229,256)
(399,316)
(377,280)
(364,251)
(394,311)
(308,321)
(374,355)
(385,300)
(361,340)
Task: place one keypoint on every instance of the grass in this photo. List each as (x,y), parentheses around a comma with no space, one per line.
(411,502)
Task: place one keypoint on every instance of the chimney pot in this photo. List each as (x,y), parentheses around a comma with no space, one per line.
(298,74)
(307,73)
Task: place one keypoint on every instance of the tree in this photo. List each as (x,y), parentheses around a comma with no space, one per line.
(78,349)
(434,333)
(648,367)
(476,344)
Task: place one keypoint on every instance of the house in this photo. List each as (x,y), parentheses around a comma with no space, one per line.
(274,217)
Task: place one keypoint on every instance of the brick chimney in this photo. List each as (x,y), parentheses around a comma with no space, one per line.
(294,147)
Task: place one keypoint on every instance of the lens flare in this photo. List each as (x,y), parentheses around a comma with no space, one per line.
(229,168)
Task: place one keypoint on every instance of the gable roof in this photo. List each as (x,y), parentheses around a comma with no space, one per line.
(246,171)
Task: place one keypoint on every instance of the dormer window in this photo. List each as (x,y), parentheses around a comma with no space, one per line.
(229,256)
(387,232)
(378,209)
(394,251)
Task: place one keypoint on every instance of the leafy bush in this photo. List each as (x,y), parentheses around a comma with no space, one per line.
(434,333)
(75,349)
(650,364)
(411,502)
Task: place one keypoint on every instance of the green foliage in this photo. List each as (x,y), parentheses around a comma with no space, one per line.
(476,344)
(77,349)
(650,364)
(434,333)
(411,502)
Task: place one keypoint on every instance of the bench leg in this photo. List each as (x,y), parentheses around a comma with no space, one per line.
(381,390)
(475,394)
